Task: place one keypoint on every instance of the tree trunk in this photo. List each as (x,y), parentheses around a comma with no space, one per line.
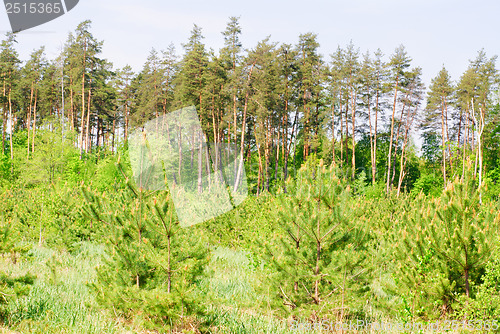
(28,122)
(11,119)
(353,114)
(243,126)
(72,110)
(34,123)
(467,288)
(266,151)
(4,116)
(88,143)
(443,146)
(83,100)
(389,155)
(341,133)
(374,164)
(333,133)
(448,151)
(403,151)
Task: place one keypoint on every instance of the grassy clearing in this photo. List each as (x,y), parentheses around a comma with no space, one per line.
(59,301)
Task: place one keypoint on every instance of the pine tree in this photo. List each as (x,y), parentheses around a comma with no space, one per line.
(316,245)
(352,65)
(9,68)
(309,78)
(33,73)
(457,232)
(124,87)
(438,101)
(149,91)
(398,65)
(152,261)
(169,68)
(286,89)
(231,57)
(190,81)
(81,58)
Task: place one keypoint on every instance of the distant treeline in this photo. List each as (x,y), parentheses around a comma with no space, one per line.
(278,103)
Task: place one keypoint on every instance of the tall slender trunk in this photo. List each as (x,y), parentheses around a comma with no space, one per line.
(374,164)
(448,145)
(11,120)
(259,178)
(243,126)
(28,122)
(289,148)
(113,134)
(443,145)
(4,118)
(389,155)
(286,151)
(371,138)
(353,114)
(88,143)
(459,132)
(346,138)
(341,133)
(403,151)
(200,164)
(276,161)
(72,107)
(34,123)
(82,123)
(466,140)
(267,151)
(333,133)
(398,133)
(99,131)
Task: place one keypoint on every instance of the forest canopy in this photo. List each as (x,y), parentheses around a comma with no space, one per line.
(348,217)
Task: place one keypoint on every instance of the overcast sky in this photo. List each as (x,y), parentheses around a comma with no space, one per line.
(437,32)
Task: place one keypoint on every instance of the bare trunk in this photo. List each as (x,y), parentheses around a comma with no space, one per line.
(333,134)
(11,119)
(389,155)
(341,135)
(403,152)
(88,143)
(353,114)
(72,110)
(374,165)
(34,124)
(243,127)
(82,123)
(200,164)
(443,146)
(28,122)
(4,119)
(266,152)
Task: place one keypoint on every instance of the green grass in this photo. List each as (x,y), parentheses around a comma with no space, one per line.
(229,284)
(59,301)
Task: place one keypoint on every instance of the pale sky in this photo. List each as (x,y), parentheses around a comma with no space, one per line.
(435,32)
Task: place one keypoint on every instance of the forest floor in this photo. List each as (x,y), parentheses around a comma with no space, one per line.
(60,301)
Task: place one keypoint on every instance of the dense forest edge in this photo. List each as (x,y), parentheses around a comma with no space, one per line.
(370,196)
